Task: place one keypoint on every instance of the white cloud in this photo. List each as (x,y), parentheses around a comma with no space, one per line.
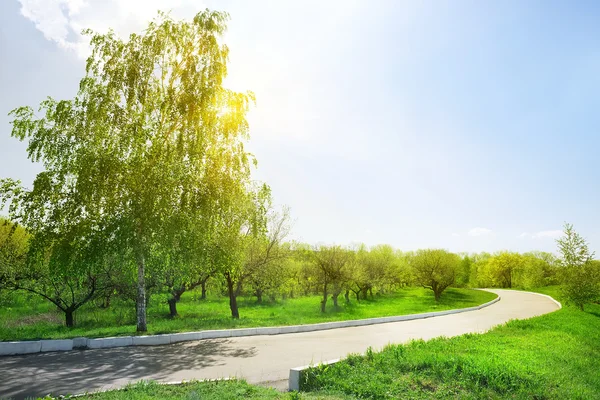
(61,21)
(455,234)
(53,18)
(552,234)
(480,232)
(555,234)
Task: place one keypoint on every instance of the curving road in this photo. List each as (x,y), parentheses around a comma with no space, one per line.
(255,358)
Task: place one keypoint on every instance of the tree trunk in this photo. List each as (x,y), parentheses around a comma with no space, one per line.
(173,307)
(232,298)
(371,292)
(437,295)
(203,285)
(106,301)
(334,297)
(69,318)
(141,296)
(347,296)
(259,294)
(324,300)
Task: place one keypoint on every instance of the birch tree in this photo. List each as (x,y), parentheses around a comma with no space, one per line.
(149,136)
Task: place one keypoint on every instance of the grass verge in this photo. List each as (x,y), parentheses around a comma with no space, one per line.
(214,390)
(23,317)
(554,356)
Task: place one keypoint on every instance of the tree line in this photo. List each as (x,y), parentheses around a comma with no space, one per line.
(266,266)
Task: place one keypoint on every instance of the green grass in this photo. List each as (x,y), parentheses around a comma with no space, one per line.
(27,317)
(554,356)
(215,390)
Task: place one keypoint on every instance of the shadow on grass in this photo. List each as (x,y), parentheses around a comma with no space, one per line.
(454,296)
(594,313)
(20,373)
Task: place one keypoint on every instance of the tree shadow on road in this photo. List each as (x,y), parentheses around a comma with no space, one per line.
(77,371)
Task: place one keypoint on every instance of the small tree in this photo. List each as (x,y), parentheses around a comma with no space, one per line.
(464,271)
(331,266)
(539,269)
(579,274)
(435,269)
(503,268)
(265,257)
(64,269)
(360,273)
(241,223)
(14,241)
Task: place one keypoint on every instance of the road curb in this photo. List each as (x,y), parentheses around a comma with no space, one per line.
(296,374)
(80,343)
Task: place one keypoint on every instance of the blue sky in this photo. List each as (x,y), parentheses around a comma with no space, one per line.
(466,125)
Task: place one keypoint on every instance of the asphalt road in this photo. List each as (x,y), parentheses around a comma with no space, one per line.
(255,358)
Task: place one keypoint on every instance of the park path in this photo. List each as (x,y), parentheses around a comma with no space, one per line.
(255,358)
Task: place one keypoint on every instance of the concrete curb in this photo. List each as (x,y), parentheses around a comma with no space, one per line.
(28,347)
(549,297)
(296,373)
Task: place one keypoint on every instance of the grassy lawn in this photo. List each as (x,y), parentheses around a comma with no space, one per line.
(217,390)
(554,356)
(26,317)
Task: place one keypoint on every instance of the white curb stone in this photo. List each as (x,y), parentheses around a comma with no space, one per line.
(296,374)
(105,343)
(216,334)
(268,331)
(185,337)
(243,332)
(290,329)
(10,348)
(151,340)
(56,345)
(80,343)
(309,328)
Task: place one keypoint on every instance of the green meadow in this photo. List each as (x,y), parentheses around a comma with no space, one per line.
(26,317)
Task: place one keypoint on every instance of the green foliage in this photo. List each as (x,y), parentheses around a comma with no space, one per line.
(463,274)
(14,243)
(435,269)
(513,270)
(580,275)
(511,361)
(208,390)
(331,268)
(503,267)
(380,268)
